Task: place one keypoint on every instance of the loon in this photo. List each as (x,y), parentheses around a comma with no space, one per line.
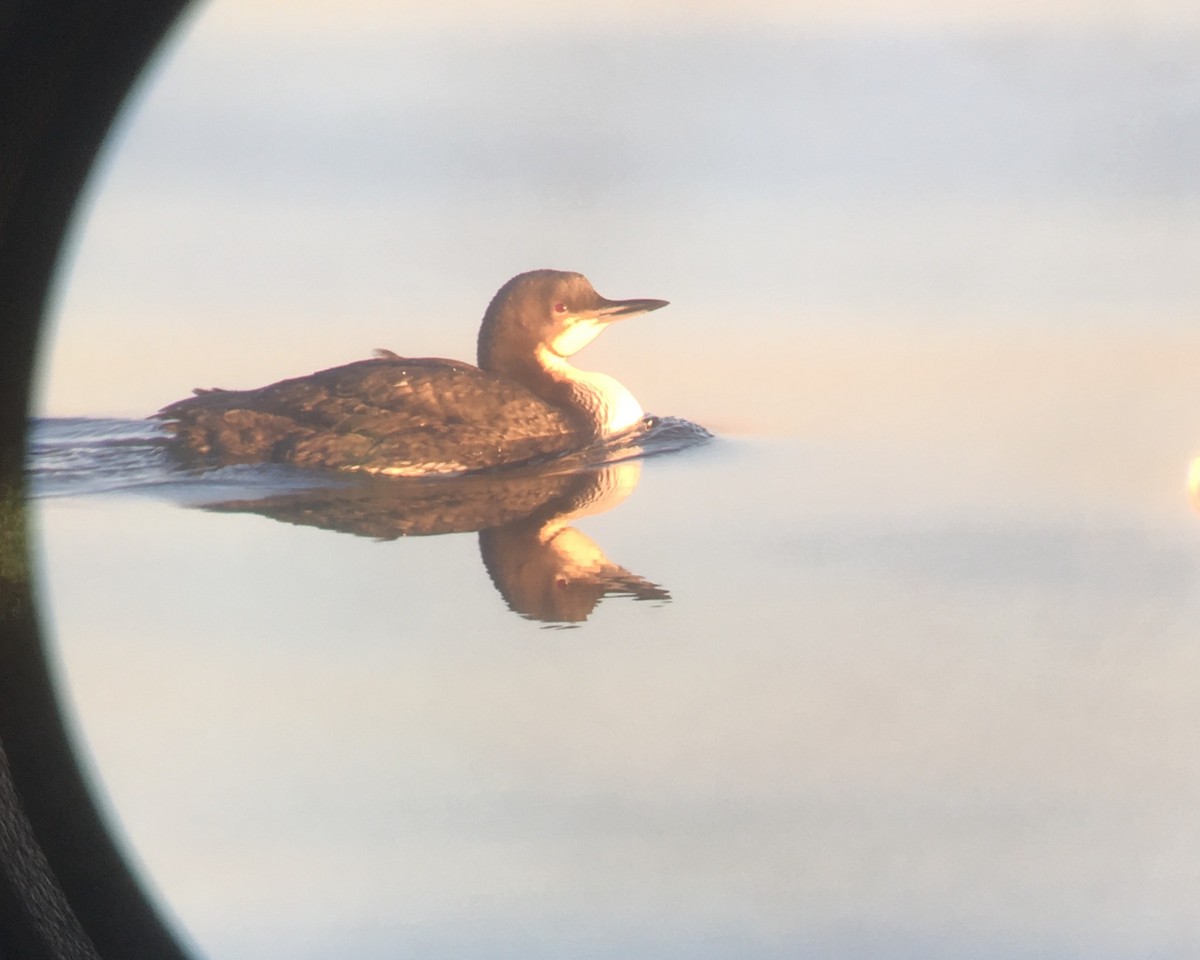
(404,417)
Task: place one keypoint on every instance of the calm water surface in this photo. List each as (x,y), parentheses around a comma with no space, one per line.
(905,697)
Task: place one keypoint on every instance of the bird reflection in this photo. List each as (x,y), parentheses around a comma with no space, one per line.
(543,567)
(547,570)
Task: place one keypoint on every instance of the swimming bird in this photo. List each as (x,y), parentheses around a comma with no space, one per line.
(400,416)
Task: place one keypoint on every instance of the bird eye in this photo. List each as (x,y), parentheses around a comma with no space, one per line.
(560,308)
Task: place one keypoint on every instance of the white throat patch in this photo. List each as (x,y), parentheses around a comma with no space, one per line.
(575,338)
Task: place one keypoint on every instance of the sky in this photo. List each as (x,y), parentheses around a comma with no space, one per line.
(290,192)
(322,15)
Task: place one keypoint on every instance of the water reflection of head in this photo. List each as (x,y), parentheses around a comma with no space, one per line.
(547,570)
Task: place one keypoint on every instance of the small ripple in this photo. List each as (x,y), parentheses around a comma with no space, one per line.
(73,456)
(653,437)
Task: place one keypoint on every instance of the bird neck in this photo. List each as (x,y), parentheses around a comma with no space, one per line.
(605,404)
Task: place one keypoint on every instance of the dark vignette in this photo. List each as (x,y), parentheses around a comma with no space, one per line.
(65,68)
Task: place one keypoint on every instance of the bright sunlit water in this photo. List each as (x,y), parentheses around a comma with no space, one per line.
(903,664)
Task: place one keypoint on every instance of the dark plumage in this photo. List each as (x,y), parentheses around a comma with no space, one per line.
(415,417)
(387,415)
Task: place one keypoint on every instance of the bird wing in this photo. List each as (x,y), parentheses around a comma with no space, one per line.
(388,415)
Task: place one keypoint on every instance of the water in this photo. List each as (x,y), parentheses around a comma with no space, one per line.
(926,709)
(901,664)
(544,568)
